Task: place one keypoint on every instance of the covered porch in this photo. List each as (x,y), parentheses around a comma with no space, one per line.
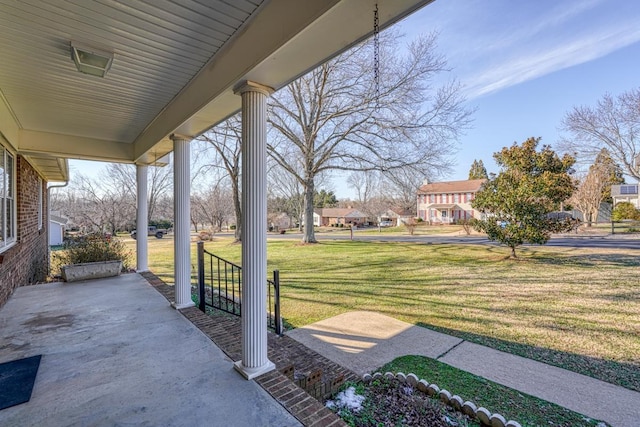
(113,353)
(133,82)
(446,213)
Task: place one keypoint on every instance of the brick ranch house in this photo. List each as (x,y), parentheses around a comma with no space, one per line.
(326,217)
(448,201)
(24,222)
(131,82)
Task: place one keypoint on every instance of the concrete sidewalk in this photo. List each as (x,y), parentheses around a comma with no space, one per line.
(363,341)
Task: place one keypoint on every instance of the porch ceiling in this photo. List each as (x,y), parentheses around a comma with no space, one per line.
(175,65)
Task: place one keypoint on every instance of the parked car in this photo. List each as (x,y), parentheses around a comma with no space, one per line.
(386,223)
(152,231)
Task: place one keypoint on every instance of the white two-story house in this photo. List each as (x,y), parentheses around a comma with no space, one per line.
(448,202)
(625,193)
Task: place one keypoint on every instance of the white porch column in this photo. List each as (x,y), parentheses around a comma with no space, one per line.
(142,222)
(182,221)
(254,230)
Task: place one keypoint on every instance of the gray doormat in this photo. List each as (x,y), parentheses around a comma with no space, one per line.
(17,379)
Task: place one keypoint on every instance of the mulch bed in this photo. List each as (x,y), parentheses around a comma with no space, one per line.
(391,403)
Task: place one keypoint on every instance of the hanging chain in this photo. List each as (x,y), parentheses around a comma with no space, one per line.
(376,55)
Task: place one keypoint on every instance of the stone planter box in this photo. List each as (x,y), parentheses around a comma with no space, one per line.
(91,270)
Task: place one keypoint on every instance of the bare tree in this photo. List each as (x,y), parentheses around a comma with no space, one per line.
(612,124)
(370,193)
(108,202)
(286,194)
(401,185)
(161,187)
(588,196)
(377,207)
(335,118)
(595,187)
(226,142)
(396,188)
(96,205)
(163,207)
(366,184)
(69,203)
(120,175)
(214,206)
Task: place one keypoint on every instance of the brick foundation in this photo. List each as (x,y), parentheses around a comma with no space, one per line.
(26,262)
(302,379)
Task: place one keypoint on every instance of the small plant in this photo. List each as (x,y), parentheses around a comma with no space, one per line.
(206,235)
(466,226)
(411,225)
(94,247)
(625,210)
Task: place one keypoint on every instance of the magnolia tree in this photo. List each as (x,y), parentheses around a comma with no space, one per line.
(516,203)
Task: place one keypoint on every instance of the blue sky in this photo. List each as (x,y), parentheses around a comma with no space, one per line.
(524,65)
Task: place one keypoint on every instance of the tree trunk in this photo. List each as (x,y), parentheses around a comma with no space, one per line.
(513,252)
(237,207)
(594,214)
(309,233)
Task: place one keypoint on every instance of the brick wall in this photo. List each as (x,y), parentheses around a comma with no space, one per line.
(26,262)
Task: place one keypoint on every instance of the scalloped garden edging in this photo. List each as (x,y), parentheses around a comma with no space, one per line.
(432,390)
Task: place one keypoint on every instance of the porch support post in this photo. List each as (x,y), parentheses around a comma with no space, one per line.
(181,227)
(254,230)
(142,221)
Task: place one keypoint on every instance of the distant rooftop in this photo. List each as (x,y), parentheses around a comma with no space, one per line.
(466,186)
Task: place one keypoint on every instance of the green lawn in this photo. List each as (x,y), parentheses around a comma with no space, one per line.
(574,308)
(422,229)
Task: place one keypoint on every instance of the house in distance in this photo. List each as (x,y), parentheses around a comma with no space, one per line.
(447,202)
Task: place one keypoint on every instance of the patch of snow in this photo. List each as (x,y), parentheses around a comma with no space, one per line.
(347,399)
(407,390)
(450,421)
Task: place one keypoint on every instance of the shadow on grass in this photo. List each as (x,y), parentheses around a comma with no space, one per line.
(623,374)
(591,260)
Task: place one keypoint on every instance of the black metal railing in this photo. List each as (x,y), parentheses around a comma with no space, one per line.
(220,287)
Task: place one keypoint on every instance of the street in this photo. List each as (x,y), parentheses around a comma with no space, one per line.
(578,241)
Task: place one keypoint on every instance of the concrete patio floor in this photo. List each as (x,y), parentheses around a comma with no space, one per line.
(115,353)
